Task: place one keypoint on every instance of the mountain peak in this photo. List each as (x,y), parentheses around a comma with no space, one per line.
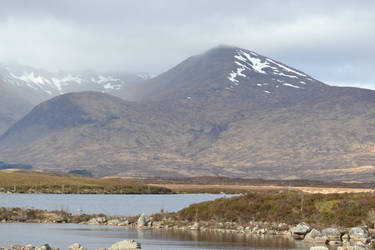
(231,72)
(246,59)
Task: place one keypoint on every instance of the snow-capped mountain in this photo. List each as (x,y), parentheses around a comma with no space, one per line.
(226,112)
(37,85)
(230,74)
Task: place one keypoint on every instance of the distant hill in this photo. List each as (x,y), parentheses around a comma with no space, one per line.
(228,112)
(4,165)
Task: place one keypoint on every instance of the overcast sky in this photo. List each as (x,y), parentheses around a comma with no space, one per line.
(332,40)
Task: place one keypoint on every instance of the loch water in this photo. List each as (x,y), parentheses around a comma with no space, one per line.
(101,236)
(109,204)
(93,237)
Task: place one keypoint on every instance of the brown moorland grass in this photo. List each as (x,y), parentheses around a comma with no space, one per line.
(35,182)
(201,188)
(214,184)
(291,207)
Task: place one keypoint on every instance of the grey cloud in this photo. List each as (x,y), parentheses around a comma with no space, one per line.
(331,40)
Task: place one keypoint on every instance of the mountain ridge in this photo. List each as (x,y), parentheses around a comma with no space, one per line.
(37,85)
(274,122)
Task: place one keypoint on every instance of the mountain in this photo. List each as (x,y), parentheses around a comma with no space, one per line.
(226,83)
(90,130)
(35,85)
(226,112)
(226,71)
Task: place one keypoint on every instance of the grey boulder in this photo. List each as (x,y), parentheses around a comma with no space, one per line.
(300,230)
(319,248)
(125,245)
(332,233)
(77,246)
(360,234)
(143,220)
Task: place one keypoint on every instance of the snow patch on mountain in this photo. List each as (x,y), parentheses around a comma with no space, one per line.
(291,85)
(33,81)
(250,62)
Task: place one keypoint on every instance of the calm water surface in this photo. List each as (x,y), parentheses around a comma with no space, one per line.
(121,205)
(93,237)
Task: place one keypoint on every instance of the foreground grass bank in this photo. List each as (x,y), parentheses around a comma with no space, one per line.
(319,210)
(34,182)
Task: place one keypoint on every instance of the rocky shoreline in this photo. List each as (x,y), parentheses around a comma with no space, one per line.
(355,238)
(121,245)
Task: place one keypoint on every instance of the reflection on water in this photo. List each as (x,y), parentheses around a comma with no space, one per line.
(224,241)
(93,237)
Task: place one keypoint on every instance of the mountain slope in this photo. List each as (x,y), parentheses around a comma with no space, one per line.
(36,85)
(332,139)
(12,108)
(226,112)
(102,133)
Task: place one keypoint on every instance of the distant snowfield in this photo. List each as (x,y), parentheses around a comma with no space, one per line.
(55,85)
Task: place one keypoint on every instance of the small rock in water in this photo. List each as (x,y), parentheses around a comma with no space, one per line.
(46,247)
(29,247)
(125,245)
(97,220)
(143,220)
(360,234)
(113,222)
(16,247)
(332,233)
(299,231)
(312,235)
(77,246)
(195,226)
(319,248)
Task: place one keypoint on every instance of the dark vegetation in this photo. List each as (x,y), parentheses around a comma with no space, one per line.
(4,165)
(83,172)
(320,210)
(34,182)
